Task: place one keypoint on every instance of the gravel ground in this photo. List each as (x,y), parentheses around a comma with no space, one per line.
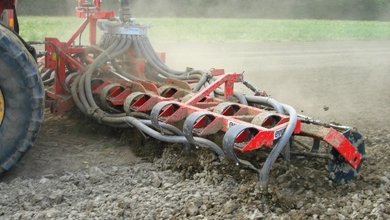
(80,170)
(178,186)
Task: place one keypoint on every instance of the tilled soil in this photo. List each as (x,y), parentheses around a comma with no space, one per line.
(81,170)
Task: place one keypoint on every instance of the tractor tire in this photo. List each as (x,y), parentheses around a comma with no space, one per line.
(21,99)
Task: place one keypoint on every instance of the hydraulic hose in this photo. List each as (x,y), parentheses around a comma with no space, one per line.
(155,64)
(165,138)
(84,83)
(268,101)
(165,126)
(152,54)
(264,173)
(75,95)
(241,98)
(84,92)
(151,57)
(116,45)
(122,47)
(201,83)
(104,42)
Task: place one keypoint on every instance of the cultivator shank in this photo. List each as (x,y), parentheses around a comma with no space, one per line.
(123,82)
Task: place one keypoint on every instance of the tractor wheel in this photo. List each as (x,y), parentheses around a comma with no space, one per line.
(21,99)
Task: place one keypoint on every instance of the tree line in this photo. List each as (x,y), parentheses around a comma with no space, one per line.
(280,9)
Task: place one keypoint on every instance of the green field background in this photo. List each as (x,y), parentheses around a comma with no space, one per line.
(222,30)
(270,9)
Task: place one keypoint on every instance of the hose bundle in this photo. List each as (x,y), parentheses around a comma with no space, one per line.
(114,45)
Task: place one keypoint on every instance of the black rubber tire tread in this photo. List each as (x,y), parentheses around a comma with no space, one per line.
(23,94)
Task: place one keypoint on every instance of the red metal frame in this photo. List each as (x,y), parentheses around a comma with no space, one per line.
(91,15)
(178,111)
(61,56)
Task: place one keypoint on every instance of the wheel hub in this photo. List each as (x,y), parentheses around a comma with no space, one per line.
(1,107)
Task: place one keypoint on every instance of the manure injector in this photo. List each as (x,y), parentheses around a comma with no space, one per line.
(122,82)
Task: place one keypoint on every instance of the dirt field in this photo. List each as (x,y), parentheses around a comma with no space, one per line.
(78,169)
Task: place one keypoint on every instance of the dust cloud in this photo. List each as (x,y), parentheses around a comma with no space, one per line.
(345,82)
(282,9)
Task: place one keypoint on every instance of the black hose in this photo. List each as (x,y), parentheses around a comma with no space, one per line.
(170,128)
(123,45)
(85,92)
(268,101)
(279,147)
(165,138)
(75,95)
(156,63)
(201,83)
(241,98)
(151,62)
(152,54)
(116,45)
(147,46)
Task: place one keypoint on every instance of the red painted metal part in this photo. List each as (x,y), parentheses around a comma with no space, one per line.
(63,56)
(147,102)
(178,111)
(335,139)
(264,137)
(227,79)
(344,147)
(91,18)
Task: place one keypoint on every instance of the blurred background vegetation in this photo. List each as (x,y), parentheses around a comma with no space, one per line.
(272,9)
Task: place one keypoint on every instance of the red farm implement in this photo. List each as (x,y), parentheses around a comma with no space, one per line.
(122,82)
